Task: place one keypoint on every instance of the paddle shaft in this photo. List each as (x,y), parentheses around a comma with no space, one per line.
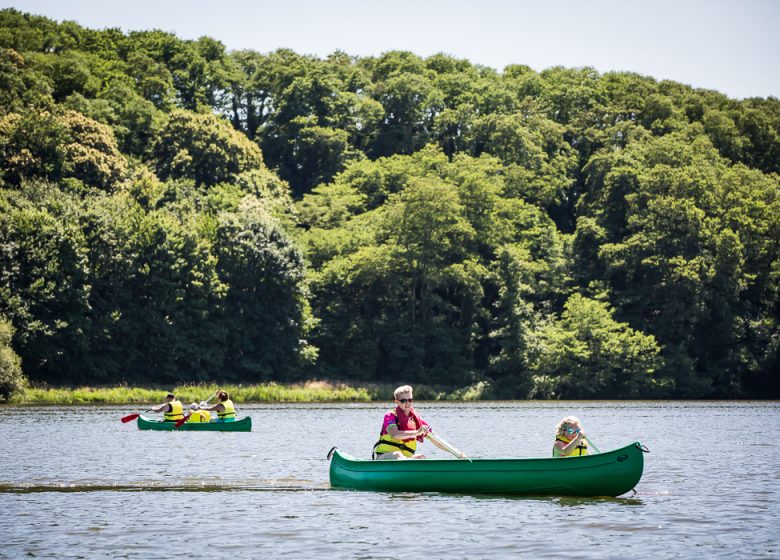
(593,445)
(447,446)
(185,418)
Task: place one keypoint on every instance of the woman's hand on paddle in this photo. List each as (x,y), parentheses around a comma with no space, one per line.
(423,430)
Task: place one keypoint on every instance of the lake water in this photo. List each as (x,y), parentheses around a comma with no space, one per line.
(77,483)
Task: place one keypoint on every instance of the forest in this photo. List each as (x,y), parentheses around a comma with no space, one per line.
(171,211)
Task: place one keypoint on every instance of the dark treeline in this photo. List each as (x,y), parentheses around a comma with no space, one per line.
(171,211)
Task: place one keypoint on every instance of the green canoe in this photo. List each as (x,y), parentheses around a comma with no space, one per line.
(240,425)
(604,474)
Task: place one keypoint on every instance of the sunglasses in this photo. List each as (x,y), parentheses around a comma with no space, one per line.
(404,401)
(573,430)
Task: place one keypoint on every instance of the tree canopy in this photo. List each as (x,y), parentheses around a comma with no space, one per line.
(172,211)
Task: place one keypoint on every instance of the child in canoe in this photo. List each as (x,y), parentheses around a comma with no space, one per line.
(570,440)
(197,415)
(402,429)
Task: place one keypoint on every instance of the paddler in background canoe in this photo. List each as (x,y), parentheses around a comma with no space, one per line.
(198,415)
(570,440)
(225,409)
(172,408)
(402,429)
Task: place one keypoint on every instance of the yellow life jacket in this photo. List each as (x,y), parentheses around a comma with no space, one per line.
(388,444)
(229,413)
(200,416)
(176,412)
(581,449)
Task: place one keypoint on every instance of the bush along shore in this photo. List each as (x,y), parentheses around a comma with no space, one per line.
(311,391)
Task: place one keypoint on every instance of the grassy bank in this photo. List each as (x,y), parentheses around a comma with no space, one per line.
(311,391)
(266,392)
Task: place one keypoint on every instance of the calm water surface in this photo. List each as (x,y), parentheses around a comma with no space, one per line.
(77,483)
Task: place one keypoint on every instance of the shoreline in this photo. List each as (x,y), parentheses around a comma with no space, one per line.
(272,392)
(263,392)
(305,392)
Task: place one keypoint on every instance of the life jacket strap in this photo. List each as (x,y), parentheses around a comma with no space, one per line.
(400,446)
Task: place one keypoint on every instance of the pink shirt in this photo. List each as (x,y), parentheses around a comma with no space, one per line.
(391,418)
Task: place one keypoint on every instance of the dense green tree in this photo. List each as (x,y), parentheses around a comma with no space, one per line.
(168,335)
(561,232)
(203,148)
(539,161)
(568,92)
(11,378)
(410,270)
(30,147)
(26,32)
(44,287)
(587,354)
(411,104)
(318,153)
(91,155)
(156,295)
(251,92)
(514,323)
(65,145)
(679,259)
(21,88)
(264,312)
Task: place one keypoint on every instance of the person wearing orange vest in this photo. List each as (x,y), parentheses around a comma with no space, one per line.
(402,429)
(570,440)
(172,408)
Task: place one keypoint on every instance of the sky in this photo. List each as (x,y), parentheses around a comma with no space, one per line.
(732,46)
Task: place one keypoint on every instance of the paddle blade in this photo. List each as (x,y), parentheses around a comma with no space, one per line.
(182,421)
(130,418)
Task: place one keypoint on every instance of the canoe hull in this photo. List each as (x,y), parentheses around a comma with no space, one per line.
(605,474)
(241,425)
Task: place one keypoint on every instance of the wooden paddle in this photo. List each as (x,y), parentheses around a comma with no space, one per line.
(593,445)
(184,419)
(447,446)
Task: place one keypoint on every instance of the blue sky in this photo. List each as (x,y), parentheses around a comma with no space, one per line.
(732,46)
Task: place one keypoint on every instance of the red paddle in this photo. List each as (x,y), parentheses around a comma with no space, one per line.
(131,417)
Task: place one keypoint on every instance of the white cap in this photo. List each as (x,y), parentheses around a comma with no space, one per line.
(193,406)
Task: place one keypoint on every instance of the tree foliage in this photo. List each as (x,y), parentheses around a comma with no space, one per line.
(171,211)
(203,148)
(11,378)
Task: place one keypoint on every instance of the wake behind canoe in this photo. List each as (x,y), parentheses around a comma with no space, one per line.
(240,425)
(604,474)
